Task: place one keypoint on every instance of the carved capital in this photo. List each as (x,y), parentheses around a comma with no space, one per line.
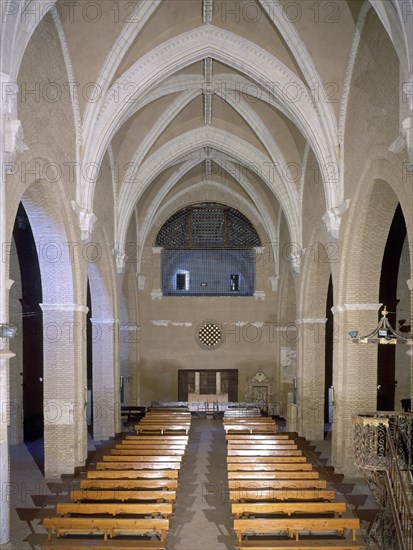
(407,132)
(408,90)
(141,281)
(332,219)
(120,259)
(13,141)
(274,280)
(8,99)
(87,220)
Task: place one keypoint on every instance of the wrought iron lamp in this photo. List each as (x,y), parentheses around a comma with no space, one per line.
(382,334)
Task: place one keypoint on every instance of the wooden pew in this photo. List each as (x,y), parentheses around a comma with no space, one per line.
(142,458)
(107,526)
(139,465)
(257,437)
(158,495)
(273,475)
(259,485)
(149,445)
(162,428)
(129,484)
(132,411)
(250,428)
(259,442)
(133,474)
(257,451)
(295,525)
(165,438)
(163,509)
(262,447)
(144,451)
(254,420)
(253,508)
(261,470)
(167,419)
(265,459)
(280,494)
(163,420)
(317,544)
(176,439)
(100,544)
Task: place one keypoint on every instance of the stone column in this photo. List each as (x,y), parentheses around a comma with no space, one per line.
(106,379)
(65,387)
(354,379)
(10,143)
(310,379)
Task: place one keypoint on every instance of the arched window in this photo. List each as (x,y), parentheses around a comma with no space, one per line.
(208,250)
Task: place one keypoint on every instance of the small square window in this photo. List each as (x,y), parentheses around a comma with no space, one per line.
(234,282)
(181,281)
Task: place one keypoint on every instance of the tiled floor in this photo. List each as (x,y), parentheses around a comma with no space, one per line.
(202,519)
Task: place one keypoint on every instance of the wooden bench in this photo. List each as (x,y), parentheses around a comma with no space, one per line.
(150,445)
(262,447)
(129,484)
(163,509)
(169,410)
(281,494)
(133,474)
(142,458)
(79,495)
(317,544)
(257,451)
(145,451)
(261,442)
(250,428)
(132,411)
(265,459)
(252,508)
(249,420)
(100,544)
(163,420)
(274,475)
(294,526)
(257,437)
(242,414)
(167,419)
(261,470)
(258,485)
(175,438)
(107,526)
(162,428)
(139,465)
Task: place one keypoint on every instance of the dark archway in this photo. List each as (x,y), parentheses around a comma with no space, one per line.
(32,327)
(329,343)
(386,356)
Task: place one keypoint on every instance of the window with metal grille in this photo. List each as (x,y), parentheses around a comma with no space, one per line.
(208,272)
(208,250)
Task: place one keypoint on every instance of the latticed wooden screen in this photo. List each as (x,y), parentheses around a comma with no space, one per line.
(208,226)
